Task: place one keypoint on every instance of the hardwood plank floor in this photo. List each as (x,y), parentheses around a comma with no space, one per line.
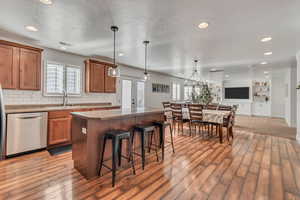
(253,167)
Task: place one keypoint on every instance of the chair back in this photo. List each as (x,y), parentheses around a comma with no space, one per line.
(195,111)
(225,108)
(167,110)
(211,107)
(177,111)
(166,105)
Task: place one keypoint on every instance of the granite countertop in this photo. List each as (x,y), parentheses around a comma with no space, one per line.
(54,107)
(116,113)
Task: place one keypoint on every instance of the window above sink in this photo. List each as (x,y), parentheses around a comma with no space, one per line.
(62,77)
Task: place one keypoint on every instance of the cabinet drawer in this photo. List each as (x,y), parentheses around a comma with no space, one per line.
(59,114)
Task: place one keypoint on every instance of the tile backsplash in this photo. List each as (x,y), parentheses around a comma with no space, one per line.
(17,97)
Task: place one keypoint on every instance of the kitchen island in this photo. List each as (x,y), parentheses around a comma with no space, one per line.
(88,129)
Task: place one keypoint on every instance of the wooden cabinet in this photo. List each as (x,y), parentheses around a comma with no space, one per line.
(59,126)
(30,70)
(110,82)
(20,66)
(9,63)
(59,131)
(97,79)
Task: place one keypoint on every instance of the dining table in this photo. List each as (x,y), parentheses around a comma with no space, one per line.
(217,117)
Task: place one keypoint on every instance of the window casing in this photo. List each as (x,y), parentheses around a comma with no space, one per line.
(60,77)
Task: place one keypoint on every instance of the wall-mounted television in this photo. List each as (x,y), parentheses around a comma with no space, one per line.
(237,93)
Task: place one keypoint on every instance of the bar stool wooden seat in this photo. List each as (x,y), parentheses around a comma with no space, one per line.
(116,136)
(145,131)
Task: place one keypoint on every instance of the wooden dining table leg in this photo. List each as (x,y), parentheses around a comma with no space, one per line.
(221,133)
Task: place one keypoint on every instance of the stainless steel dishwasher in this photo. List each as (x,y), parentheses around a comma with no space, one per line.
(26,132)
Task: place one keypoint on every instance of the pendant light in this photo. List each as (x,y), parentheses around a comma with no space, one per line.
(146,74)
(114,71)
(195,75)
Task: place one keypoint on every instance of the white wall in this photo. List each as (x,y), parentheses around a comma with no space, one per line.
(290,99)
(298,96)
(278,96)
(13,97)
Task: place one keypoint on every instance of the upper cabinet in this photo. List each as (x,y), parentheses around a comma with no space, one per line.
(97,79)
(9,66)
(20,66)
(30,69)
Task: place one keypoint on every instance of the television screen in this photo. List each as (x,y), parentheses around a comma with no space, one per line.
(237,93)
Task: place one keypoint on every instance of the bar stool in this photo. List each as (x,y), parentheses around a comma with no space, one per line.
(116,136)
(162,125)
(145,131)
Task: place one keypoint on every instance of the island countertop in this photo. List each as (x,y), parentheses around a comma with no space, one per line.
(116,113)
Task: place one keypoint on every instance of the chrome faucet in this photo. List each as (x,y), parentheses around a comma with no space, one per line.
(65,98)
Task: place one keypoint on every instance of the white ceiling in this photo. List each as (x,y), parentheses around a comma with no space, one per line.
(232,38)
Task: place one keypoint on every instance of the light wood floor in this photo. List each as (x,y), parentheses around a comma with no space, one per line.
(266,126)
(254,167)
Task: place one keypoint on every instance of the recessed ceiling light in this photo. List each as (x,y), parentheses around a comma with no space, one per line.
(266,72)
(63,48)
(268,53)
(203,25)
(31,28)
(47,2)
(121,54)
(266,39)
(263,63)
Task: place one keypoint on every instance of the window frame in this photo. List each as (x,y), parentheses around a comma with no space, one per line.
(65,66)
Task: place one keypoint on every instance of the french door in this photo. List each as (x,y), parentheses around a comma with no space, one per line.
(133,93)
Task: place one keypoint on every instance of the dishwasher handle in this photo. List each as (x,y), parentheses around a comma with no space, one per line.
(29,117)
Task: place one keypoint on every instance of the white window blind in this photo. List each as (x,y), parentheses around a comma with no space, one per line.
(60,78)
(55,78)
(73,80)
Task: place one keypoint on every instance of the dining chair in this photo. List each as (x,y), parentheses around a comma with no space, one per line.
(178,116)
(196,117)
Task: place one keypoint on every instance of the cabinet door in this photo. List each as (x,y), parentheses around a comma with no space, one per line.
(30,69)
(110,82)
(97,77)
(9,66)
(59,131)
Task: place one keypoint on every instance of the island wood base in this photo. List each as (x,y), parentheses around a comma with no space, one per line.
(87,138)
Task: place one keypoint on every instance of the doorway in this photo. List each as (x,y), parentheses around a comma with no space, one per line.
(133,93)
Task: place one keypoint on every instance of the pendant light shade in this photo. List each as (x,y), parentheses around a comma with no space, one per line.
(146,74)
(114,70)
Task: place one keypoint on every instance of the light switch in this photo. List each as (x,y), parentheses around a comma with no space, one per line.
(83,130)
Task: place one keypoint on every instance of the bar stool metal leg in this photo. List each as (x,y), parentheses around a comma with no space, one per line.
(102,156)
(143,150)
(131,156)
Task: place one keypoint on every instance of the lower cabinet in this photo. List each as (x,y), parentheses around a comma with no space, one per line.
(59,126)
(59,131)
